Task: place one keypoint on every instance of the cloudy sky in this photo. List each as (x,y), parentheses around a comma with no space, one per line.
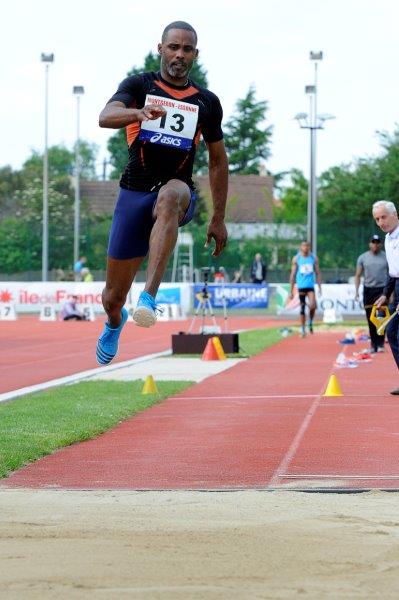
(261,42)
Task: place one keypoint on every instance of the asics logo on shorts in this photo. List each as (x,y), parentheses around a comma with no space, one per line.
(165,139)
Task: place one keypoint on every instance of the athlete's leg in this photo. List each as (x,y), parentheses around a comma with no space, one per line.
(120,274)
(302,300)
(171,205)
(312,308)
(119,279)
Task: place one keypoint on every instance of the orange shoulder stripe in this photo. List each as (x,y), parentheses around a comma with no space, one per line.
(178,94)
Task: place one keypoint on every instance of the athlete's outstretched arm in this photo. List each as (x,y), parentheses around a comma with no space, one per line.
(218,179)
(294,268)
(116,115)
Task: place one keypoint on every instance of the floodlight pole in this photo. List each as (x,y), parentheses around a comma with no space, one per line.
(313,124)
(312,192)
(46,59)
(78,91)
(312,121)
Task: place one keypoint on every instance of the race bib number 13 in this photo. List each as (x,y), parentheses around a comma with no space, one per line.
(176,129)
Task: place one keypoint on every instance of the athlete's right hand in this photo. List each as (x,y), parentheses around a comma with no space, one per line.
(151,112)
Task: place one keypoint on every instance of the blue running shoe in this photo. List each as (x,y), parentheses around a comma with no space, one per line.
(107,345)
(145,313)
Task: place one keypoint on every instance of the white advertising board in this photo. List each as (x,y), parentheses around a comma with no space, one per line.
(337,296)
(29,297)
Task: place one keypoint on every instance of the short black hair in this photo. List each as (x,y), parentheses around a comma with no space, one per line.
(179,25)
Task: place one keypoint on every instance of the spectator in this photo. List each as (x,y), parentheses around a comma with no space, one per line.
(86,274)
(70,311)
(77,268)
(238,276)
(374,267)
(221,276)
(258,269)
(60,275)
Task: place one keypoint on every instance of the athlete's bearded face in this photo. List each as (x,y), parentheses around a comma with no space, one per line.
(178,52)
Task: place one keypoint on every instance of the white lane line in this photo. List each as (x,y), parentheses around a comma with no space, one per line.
(289,455)
(79,376)
(377,477)
(244,397)
(338,403)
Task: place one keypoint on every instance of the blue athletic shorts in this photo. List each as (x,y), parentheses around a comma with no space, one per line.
(132,223)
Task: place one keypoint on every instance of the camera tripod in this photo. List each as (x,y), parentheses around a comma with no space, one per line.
(204,307)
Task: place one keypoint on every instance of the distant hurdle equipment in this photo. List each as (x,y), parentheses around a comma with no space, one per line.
(331,316)
(88,311)
(7,311)
(47,313)
(170,312)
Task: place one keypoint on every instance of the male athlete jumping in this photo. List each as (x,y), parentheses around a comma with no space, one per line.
(164,114)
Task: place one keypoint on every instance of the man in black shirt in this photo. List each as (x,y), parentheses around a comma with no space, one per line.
(164,114)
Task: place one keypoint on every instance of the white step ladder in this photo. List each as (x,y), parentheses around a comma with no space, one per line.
(183,263)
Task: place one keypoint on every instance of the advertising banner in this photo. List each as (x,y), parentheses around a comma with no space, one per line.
(234,295)
(339,296)
(31,296)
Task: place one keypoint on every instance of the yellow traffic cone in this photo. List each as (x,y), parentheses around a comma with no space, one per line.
(333,387)
(219,348)
(149,386)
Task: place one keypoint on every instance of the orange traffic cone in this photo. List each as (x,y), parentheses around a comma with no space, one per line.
(210,351)
(219,348)
(333,387)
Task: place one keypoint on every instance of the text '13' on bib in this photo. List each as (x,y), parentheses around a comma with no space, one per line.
(176,128)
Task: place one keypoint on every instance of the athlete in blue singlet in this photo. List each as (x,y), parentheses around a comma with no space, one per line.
(165,114)
(305,273)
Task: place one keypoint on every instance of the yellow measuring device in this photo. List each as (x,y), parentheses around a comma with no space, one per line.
(380,317)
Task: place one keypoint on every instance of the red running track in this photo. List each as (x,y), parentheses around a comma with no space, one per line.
(36,351)
(263,424)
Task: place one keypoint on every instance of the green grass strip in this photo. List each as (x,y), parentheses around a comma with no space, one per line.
(38,424)
(254,341)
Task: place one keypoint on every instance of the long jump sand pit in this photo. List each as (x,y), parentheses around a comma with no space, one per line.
(198,545)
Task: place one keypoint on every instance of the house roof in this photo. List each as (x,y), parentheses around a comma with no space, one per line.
(250,197)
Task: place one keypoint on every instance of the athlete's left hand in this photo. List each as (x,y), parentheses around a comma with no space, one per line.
(216,230)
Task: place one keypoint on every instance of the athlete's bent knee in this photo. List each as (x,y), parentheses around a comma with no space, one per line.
(167,204)
(113,300)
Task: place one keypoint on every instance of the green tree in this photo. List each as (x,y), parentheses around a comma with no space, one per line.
(61,162)
(9,182)
(21,234)
(117,145)
(293,202)
(247,142)
(388,166)
(21,196)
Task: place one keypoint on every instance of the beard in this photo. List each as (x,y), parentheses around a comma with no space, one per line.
(177,70)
